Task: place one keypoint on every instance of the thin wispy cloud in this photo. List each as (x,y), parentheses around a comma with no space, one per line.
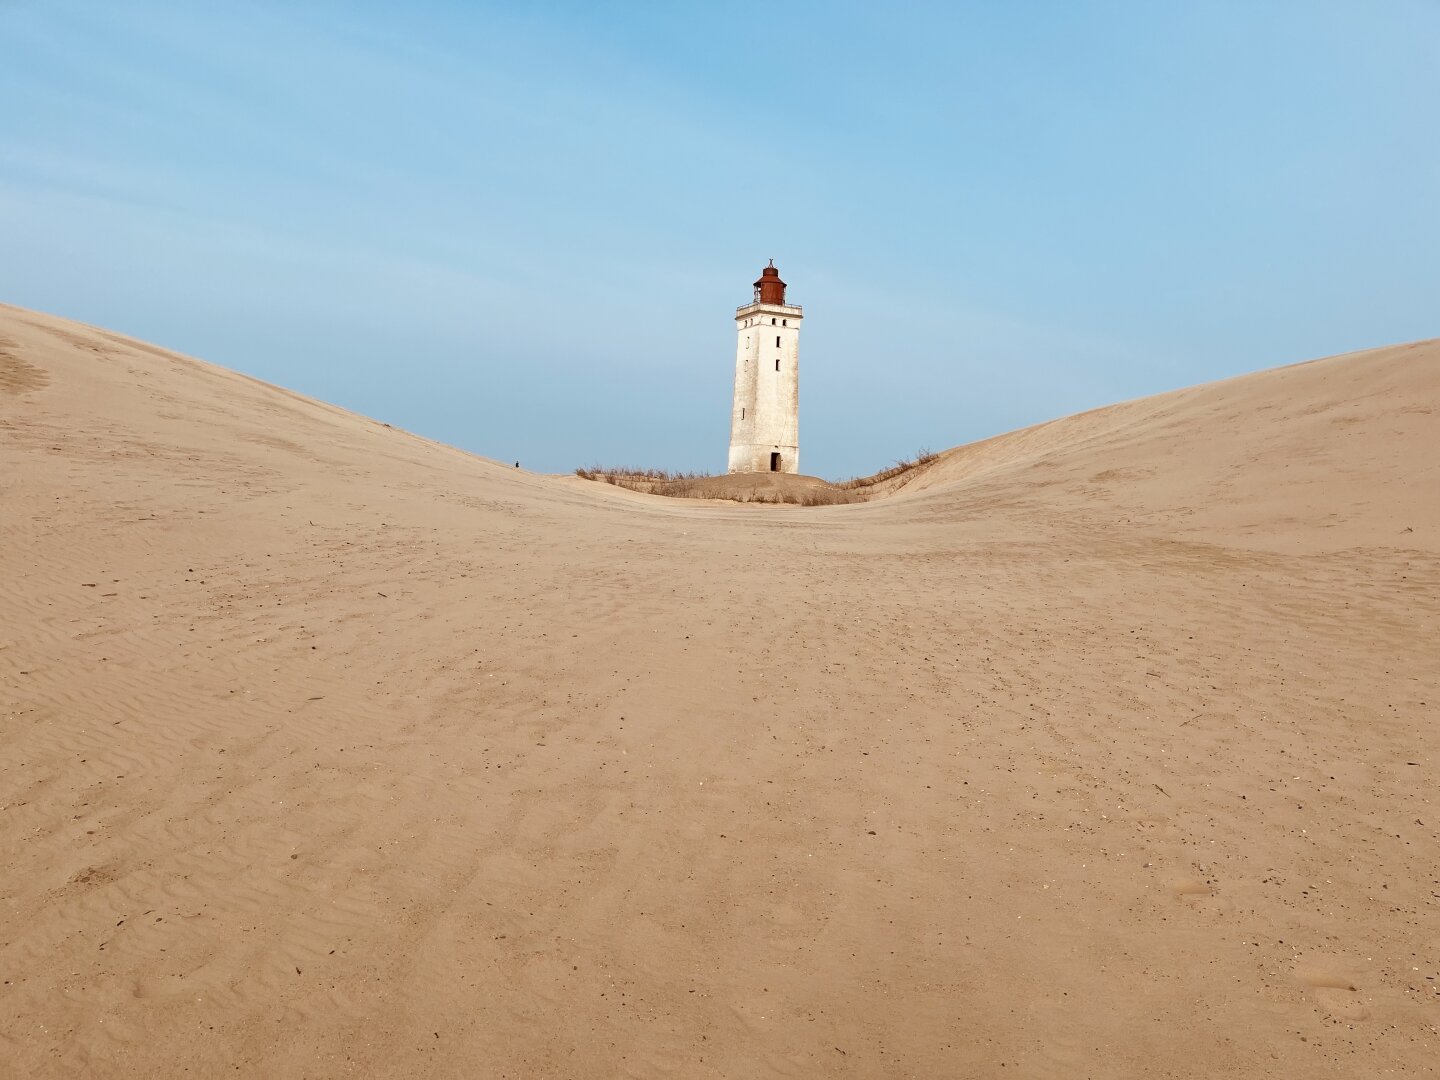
(992,216)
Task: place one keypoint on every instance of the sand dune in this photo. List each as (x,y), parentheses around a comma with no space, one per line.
(1321,456)
(1105,748)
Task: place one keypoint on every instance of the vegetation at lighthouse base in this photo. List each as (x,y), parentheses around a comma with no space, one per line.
(764,487)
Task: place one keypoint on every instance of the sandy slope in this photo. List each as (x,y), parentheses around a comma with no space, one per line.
(1107,749)
(1322,456)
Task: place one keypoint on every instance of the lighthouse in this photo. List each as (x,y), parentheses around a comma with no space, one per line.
(765,418)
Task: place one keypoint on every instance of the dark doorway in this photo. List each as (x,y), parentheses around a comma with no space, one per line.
(774,462)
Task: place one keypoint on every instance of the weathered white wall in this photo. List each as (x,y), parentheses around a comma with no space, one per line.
(766,414)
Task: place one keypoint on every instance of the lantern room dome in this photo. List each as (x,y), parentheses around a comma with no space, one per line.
(769,289)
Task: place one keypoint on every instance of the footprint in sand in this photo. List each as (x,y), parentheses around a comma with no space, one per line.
(1199,894)
(1192,887)
(1334,990)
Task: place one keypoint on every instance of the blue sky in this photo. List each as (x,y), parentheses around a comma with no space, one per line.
(523,228)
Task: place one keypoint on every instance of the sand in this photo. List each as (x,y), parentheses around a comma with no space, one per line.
(1104,749)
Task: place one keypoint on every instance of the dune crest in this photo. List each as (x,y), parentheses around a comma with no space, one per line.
(1103,748)
(1323,455)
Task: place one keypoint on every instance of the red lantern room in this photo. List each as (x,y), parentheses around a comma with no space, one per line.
(770,289)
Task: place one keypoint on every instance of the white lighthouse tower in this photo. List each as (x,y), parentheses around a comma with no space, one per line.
(765,420)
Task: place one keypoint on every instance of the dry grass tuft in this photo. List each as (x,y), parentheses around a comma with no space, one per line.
(626,477)
(923,458)
(797,491)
